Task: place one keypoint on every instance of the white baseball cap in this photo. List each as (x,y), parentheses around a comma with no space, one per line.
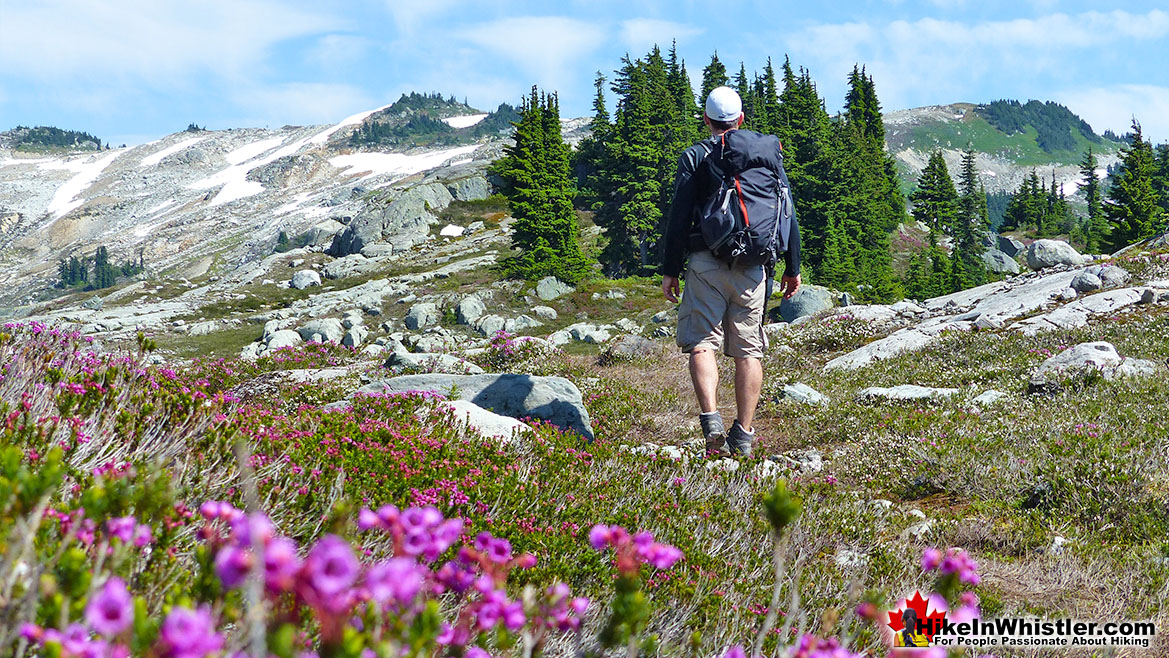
(724,104)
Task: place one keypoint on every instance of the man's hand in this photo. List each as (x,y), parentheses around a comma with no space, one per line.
(789,285)
(670,288)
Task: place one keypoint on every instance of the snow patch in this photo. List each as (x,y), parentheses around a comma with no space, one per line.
(155,158)
(160,207)
(86,170)
(988,172)
(451,231)
(465,121)
(322,137)
(396,164)
(245,153)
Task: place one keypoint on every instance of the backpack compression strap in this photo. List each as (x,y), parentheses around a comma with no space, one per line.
(738,187)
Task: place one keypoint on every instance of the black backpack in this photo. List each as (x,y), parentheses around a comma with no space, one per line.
(748,206)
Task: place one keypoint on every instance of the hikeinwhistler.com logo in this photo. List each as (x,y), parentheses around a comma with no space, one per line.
(921,622)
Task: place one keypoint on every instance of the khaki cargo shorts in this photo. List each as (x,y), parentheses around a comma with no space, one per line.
(722,302)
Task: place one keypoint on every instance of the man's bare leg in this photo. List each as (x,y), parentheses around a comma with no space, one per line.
(748,384)
(704,375)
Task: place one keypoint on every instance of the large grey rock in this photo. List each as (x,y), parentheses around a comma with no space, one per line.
(94,303)
(421,316)
(810,299)
(471,308)
(404,221)
(906,393)
(999,262)
(329,329)
(1010,246)
(804,394)
(521,323)
(324,231)
(1049,253)
(470,417)
(489,325)
(1100,355)
(550,288)
(305,278)
(283,338)
(203,328)
(545,312)
(431,362)
(471,188)
(553,399)
(1096,277)
(1086,282)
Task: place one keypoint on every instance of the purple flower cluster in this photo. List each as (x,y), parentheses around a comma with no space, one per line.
(129,531)
(417,531)
(955,561)
(633,550)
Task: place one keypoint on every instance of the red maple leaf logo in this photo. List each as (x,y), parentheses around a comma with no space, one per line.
(929,623)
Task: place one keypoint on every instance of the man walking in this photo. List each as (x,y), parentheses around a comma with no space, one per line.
(724,304)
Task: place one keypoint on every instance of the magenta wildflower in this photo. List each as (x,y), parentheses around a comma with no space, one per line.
(735,652)
(396,581)
(930,559)
(330,569)
(600,536)
(189,633)
(280,564)
(232,565)
(110,611)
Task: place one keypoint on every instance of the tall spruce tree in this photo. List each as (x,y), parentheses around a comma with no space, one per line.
(536,170)
(1161,179)
(1133,209)
(1027,206)
(714,75)
(1096,225)
(935,201)
(966,266)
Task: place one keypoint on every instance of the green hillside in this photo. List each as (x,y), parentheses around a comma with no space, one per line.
(416,120)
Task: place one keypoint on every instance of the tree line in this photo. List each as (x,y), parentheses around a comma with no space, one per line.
(846,187)
(76,272)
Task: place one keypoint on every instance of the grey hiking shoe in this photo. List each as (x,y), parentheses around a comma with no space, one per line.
(739,441)
(713,432)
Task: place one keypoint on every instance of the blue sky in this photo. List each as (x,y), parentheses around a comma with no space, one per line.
(130,71)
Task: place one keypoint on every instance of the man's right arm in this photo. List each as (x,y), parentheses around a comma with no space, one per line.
(681,217)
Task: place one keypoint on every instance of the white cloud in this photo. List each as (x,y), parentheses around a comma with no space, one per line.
(544,47)
(640,34)
(942,59)
(409,15)
(338,51)
(1114,108)
(152,41)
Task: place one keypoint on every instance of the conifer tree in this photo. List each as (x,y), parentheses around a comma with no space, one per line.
(536,169)
(935,202)
(768,101)
(1161,178)
(1096,227)
(592,156)
(713,76)
(966,266)
(1027,206)
(1133,209)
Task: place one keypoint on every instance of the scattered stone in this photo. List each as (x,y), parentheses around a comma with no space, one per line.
(1087,282)
(1067,294)
(999,262)
(377,250)
(94,303)
(665,316)
(808,300)
(521,323)
(553,399)
(1010,246)
(452,231)
(550,288)
(907,308)
(724,464)
(305,278)
(663,332)
(489,325)
(918,531)
(850,559)
(1057,545)
(1049,253)
(1148,296)
(327,329)
(628,326)
(806,461)
(1101,356)
(355,336)
(421,316)
(609,294)
(803,394)
(470,309)
(988,398)
(906,393)
(1098,277)
(283,338)
(545,312)
(631,347)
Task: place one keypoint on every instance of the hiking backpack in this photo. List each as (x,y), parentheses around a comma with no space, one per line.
(748,207)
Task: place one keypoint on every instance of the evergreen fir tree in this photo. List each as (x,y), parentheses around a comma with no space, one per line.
(966,266)
(536,168)
(104,274)
(1027,207)
(768,101)
(1133,209)
(935,202)
(1161,178)
(713,76)
(1096,227)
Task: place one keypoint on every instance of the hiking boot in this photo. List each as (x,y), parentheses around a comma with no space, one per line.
(739,441)
(713,432)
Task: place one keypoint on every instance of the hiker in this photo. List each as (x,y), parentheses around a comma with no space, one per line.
(738,173)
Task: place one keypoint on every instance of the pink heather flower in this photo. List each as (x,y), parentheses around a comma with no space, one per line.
(143,535)
(232,565)
(210,510)
(643,539)
(189,633)
(122,528)
(111,609)
(280,564)
(395,581)
(526,561)
(331,567)
(416,542)
(368,520)
(388,514)
(252,528)
(513,616)
(600,536)
(735,652)
(31,632)
(482,541)
(499,551)
(662,556)
(579,605)
(930,559)
(476,652)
